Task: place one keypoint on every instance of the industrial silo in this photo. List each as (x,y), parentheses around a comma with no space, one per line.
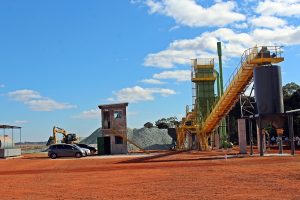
(269,102)
(268,95)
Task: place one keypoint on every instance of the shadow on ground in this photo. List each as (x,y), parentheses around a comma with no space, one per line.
(152,159)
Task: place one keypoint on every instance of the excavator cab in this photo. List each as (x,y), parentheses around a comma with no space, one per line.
(68,138)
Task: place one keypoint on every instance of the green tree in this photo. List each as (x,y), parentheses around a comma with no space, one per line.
(148,125)
(292,103)
(165,123)
(289,89)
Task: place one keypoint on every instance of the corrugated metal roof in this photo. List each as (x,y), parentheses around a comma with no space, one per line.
(9,127)
(113,105)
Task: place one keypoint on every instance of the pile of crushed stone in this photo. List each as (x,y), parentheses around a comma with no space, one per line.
(147,138)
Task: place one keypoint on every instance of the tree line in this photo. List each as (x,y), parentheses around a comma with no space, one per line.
(291,100)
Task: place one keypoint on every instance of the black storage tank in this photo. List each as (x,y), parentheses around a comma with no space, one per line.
(268,93)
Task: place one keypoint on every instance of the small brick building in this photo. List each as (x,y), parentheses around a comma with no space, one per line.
(114,129)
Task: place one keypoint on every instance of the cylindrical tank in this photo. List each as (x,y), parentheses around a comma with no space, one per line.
(268,89)
(5,142)
(268,93)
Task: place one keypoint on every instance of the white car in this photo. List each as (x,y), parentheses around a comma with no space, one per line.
(87,151)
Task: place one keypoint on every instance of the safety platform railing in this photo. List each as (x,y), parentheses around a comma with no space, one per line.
(238,80)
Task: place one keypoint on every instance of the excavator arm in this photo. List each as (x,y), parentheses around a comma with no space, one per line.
(57,130)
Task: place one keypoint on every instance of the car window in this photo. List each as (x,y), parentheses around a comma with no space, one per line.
(67,147)
(59,147)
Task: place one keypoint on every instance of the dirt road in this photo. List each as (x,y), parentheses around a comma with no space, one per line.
(186,175)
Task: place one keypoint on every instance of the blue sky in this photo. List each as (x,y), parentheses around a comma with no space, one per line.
(60,59)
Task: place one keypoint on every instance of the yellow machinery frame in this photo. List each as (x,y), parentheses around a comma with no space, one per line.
(251,58)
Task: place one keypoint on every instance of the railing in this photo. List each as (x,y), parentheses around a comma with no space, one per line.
(247,56)
(230,79)
(211,75)
(202,61)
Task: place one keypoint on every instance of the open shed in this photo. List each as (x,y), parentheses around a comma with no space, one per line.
(7,144)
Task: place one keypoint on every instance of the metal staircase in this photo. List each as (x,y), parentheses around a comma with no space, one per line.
(251,58)
(202,127)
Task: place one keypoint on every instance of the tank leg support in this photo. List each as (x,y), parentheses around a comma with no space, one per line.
(261,140)
(251,137)
(203,141)
(279,134)
(291,131)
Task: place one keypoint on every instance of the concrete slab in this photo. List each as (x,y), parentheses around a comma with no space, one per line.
(4,153)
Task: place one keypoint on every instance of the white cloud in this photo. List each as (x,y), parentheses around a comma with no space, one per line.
(24,95)
(47,105)
(135,1)
(240,26)
(268,22)
(270,27)
(234,44)
(283,8)
(189,13)
(167,58)
(89,114)
(180,52)
(21,122)
(178,75)
(155,7)
(36,102)
(110,99)
(174,28)
(287,35)
(153,81)
(137,94)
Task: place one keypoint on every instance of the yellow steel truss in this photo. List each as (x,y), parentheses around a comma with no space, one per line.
(253,57)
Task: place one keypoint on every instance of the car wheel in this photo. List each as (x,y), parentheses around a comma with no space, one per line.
(77,155)
(93,152)
(53,155)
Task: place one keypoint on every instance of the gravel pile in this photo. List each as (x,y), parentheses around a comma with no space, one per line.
(150,138)
(147,138)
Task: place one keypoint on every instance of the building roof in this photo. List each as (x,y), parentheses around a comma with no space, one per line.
(9,127)
(113,105)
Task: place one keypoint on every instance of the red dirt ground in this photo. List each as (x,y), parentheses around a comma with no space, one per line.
(168,175)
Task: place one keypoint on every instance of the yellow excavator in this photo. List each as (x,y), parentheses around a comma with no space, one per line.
(68,138)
